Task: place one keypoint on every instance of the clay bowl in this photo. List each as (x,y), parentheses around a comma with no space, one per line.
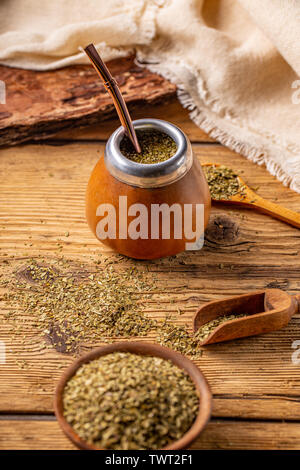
(147,349)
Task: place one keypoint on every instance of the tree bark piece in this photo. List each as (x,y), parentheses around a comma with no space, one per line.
(40,104)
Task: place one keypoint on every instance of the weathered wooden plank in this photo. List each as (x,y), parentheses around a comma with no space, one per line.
(263,407)
(219,434)
(234,435)
(42,197)
(39,104)
(32,435)
(253,371)
(43,188)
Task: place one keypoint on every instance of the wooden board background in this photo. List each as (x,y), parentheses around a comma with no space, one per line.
(255,384)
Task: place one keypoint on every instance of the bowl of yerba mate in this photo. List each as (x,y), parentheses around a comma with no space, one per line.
(132,396)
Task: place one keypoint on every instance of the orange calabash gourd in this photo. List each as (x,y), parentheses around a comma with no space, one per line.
(179,180)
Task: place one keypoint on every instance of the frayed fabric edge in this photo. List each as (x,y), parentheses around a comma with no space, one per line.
(198,116)
(255,155)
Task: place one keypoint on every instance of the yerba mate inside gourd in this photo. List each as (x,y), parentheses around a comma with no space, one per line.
(156,147)
(129,401)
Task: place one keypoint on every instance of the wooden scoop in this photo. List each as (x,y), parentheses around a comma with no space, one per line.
(249,198)
(266,310)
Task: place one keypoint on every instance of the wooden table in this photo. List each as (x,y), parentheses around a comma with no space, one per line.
(256,385)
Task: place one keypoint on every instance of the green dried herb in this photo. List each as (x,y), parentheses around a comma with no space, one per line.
(125,401)
(70,307)
(223,182)
(177,338)
(205,330)
(156,147)
(74,309)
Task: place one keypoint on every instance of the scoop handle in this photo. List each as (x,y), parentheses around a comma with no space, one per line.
(297,299)
(272,301)
(276,211)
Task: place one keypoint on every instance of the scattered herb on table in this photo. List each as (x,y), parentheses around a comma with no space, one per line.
(129,401)
(69,307)
(176,337)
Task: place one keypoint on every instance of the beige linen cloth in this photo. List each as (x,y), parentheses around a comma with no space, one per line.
(236,63)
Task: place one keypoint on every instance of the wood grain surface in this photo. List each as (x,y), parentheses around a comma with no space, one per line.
(37,434)
(255,383)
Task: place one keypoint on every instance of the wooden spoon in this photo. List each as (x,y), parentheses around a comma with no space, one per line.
(148,349)
(266,310)
(249,198)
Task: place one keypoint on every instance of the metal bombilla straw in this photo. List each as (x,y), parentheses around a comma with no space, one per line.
(113,89)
